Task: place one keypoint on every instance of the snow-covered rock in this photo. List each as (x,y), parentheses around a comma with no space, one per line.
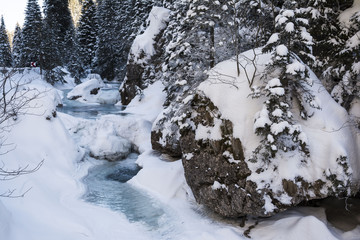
(106,144)
(144,47)
(92,91)
(216,139)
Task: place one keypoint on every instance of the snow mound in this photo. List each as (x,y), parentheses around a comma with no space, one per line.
(149,104)
(106,144)
(296,224)
(92,91)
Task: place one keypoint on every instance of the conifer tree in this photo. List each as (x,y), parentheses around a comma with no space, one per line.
(287,79)
(31,34)
(17,46)
(75,65)
(334,49)
(5,50)
(58,20)
(86,33)
(106,52)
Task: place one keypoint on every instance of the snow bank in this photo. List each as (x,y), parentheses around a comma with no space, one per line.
(52,208)
(303,223)
(149,105)
(328,138)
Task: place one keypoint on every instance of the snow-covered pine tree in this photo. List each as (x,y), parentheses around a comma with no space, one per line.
(86,33)
(106,52)
(17,46)
(259,16)
(5,50)
(31,34)
(287,83)
(333,60)
(325,29)
(347,69)
(58,20)
(118,23)
(75,65)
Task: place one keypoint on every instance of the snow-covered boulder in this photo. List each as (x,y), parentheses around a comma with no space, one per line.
(217,141)
(93,90)
(105,142)
(86,90)
(111,147)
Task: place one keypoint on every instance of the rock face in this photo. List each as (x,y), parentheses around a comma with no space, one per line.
(215,168)
(144,55)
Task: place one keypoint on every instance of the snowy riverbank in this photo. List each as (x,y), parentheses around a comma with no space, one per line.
(54,207)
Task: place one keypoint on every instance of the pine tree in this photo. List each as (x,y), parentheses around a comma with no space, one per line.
(75,65)
(287,79)
(31,34)
(17,46)
(58,20)
(333,59)
(118,24)
(5,50)
(105,60)
(86,33)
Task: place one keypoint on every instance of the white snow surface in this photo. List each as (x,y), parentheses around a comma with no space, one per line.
(53,208)
(326,135)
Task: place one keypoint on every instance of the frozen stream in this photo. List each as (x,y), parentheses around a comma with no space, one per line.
(106,182)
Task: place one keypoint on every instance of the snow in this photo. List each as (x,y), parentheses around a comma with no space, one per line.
(346,15)
(157,19)
(282,50)
(150,104)
(295,67)
(211,133)
(274,38)
(92,90)
(275,82)
(280,127)
(53,208)
(355,108)
(289,27)
(218,186)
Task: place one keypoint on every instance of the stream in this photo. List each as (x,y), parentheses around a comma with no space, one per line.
(106,182)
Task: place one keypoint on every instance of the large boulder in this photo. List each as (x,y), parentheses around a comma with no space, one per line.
(222,178)
(214,135)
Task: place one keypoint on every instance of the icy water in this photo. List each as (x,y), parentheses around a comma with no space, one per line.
(90,111)
(106,186)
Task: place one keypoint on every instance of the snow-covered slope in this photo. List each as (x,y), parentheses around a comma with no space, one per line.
(52,209)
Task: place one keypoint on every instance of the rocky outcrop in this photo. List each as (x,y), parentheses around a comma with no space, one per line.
(218,173)
(144,55)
